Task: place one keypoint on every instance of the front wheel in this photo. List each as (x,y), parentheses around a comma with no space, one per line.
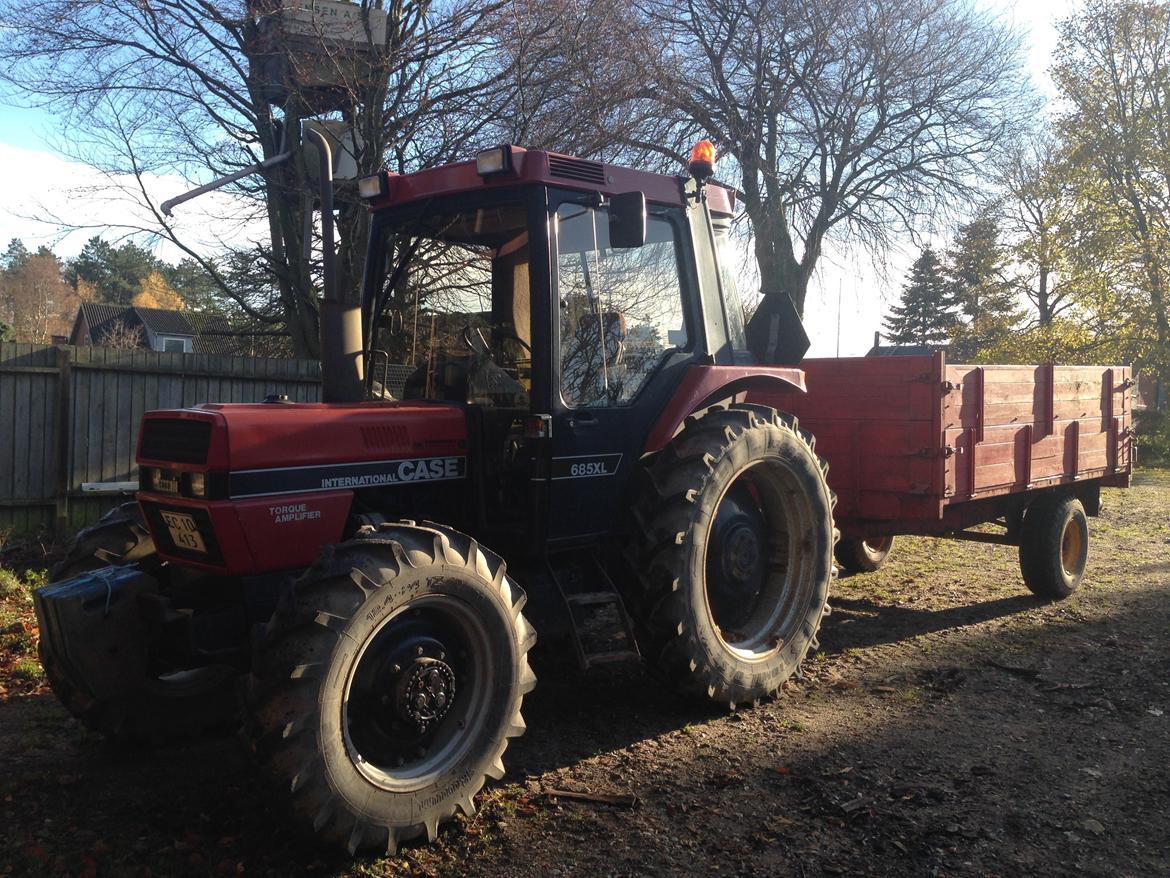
(168,705)
(119,538)
(734,554)
(388,684)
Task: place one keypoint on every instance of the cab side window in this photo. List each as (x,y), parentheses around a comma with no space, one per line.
(621,310)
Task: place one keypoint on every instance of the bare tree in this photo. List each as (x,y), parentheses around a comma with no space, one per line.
(181,85)
(860,119)
(121,335)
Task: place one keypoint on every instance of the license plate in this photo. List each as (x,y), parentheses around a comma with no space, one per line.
(184,533)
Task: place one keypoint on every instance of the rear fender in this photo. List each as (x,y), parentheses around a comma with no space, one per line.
(703,386)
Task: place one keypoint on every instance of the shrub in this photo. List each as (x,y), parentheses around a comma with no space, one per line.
(1153,436)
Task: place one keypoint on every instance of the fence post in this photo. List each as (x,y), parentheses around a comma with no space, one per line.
(64,438)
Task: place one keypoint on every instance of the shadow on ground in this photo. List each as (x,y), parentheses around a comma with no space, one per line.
(1062,770)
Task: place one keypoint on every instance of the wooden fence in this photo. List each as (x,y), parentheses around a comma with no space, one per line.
(69,417)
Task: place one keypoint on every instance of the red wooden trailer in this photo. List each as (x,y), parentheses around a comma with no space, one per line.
(918,446)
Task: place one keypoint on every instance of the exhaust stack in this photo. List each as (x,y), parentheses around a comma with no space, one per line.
(341,324)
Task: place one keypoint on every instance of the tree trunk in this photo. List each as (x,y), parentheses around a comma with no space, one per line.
(1042,306)
(780,270)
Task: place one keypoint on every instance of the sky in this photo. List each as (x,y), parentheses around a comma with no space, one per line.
(847,298)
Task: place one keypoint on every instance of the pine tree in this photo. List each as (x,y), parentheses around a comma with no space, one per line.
(977,282)
(975,270)
(15,256)
(926,314)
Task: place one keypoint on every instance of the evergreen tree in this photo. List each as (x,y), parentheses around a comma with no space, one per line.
(926,314)
(977,282)
(116,273)
(15,256)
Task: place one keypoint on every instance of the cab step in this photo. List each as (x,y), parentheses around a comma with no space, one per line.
(601,629)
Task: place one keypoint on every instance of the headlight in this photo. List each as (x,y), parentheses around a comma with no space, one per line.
(198,484)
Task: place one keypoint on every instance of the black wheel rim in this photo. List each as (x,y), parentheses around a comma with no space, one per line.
(416,692)
(761,565)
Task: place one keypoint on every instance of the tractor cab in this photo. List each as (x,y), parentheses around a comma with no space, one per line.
(562,303)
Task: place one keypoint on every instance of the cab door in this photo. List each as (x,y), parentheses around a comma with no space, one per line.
(624,332)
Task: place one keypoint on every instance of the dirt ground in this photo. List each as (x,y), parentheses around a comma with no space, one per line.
(951,725)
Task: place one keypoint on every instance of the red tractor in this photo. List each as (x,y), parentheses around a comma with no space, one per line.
(567,396)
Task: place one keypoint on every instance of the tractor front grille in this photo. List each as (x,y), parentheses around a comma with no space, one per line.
(179,440)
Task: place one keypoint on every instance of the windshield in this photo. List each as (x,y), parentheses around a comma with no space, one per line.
(454,308)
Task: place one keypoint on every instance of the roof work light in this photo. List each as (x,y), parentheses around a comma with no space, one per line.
(374,185)
(702,163)
(497,160)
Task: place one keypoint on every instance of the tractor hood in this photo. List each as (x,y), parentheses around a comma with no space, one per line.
(250,489)
(270,436)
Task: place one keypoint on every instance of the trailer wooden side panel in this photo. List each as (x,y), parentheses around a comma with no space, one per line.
(908,437)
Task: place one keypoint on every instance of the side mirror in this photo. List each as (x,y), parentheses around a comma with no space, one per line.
(627,219)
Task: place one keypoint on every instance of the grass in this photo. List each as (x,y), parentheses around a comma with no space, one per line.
(20,670)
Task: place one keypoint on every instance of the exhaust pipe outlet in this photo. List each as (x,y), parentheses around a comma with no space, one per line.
(341,325)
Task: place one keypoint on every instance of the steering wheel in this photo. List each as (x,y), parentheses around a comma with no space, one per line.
(510,333)
(483,348)
(472,332)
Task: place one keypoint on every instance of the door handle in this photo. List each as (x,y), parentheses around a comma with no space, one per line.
(583,421)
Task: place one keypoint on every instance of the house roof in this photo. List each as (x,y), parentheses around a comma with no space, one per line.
(98,318)
(210,333)
(214,335)
(164,321)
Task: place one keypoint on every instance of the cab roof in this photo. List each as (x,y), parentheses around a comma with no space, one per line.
(550,169)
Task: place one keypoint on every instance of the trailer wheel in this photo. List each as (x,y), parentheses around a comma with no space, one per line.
(733,550)
(388,684)
(169,708)
(863,556)
(1054,546)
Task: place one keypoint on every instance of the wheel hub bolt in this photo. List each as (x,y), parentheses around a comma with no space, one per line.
(427,692)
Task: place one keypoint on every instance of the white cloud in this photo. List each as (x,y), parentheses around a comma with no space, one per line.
(41,189)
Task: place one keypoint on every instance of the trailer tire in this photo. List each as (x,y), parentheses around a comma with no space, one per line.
(169,709)
(388,683)
(863,556)
(1054,546)
(732,554)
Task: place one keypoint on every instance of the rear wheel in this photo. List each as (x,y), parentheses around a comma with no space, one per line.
(388,684)
(863,556)
(168,706)
(1054,546)
(734,552)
